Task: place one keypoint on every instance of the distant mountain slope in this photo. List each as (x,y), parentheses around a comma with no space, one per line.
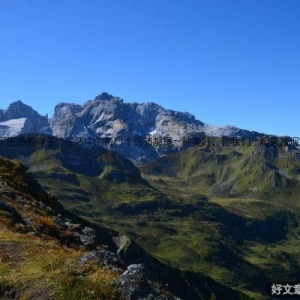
(255,170)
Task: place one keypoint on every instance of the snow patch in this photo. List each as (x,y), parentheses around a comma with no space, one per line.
(12,127)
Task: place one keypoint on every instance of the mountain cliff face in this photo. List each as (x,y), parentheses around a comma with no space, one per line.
(142,132)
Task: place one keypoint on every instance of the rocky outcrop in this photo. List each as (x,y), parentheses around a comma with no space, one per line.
(136,286)
(185,285)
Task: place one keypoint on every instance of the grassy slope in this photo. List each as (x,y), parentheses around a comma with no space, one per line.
(83,177)
(41,267)
(253,183)
(31,268)
(246,171)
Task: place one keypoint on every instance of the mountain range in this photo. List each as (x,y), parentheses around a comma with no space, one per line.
(142,132)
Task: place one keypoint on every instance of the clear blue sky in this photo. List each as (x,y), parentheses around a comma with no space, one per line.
(225,61)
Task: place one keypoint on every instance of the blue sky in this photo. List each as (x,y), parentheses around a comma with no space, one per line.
(225,61)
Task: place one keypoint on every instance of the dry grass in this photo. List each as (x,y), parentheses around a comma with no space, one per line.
(37,269)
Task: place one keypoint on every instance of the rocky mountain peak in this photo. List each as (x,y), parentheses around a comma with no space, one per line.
(21,118)
(17,110)
(104,96)
(140,131)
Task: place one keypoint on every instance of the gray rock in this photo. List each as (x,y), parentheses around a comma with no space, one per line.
(136,286)
(87,236)
(104,258)
(68,224)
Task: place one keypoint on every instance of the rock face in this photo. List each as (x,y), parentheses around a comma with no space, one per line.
(20,118)
(142,132)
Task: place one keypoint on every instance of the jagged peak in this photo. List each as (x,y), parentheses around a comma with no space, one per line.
(108,97)
(104,96)
(17,109)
